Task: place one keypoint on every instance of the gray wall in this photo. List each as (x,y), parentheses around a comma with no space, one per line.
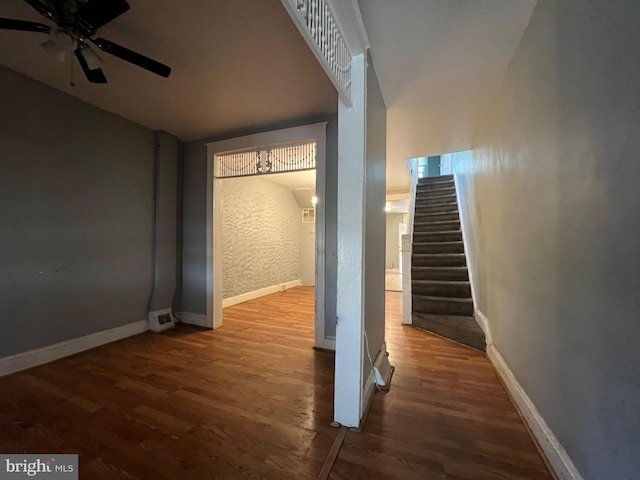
(76,217)
(193,295)
(555,226)
(392,255)
(260,235)
(375,217)
(166,226)
(194,226)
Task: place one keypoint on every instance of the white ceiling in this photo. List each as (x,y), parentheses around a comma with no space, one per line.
(236,65)
(302,179)
(439,64)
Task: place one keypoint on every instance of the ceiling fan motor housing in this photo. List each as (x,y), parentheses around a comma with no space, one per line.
(64,39)
(76,24)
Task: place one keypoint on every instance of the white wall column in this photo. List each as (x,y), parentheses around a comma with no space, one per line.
(351,237)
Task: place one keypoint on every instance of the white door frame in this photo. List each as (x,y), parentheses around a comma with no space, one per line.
(317,132)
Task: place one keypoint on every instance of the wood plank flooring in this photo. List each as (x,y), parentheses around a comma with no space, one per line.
(253,400)
(250,400)
(446,416)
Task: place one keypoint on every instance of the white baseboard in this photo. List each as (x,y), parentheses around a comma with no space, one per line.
(481,320)
(245,297)
(32,358)
(553,449)
(407,318)
(194,319)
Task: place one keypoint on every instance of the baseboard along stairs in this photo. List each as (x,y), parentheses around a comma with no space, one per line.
(440,288)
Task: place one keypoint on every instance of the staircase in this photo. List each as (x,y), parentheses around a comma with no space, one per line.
(440,288)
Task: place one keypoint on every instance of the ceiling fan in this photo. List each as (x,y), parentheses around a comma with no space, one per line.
(76,22)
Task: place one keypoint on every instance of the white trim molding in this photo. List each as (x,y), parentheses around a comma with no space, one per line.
(407,246)
(407,318)
(32,358)
(245,297)
(482,320)
(352,141)
(556,454)
(194,319)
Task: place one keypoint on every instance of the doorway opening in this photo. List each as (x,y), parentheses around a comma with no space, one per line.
(267,160)
(429,166)
(268,234)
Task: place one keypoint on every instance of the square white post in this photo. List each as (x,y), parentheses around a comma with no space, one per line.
(351,237)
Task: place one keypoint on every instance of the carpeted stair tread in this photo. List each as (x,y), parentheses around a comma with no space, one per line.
(435,186)
(446,225)
(442,299)
(437,208)
(437,247)
(441,288)
(435,217)
(439,273)
(444,192)
(438,259)
(442,283)
(435,180)
(462,329)
(436,199)
(425,191)
(444,236)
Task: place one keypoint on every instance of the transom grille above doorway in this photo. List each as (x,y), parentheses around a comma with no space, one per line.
(262,161)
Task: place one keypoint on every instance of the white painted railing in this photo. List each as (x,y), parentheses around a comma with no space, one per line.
(317,23)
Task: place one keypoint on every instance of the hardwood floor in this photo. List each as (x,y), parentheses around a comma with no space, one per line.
(446,416)
(253,400)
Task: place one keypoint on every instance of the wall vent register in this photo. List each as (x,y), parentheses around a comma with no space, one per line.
(308,215)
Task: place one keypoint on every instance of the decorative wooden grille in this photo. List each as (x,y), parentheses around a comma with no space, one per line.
(318,23)
(286,158)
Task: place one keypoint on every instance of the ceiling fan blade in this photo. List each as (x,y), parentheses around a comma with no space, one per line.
(9,24)
(43,9)
(132,57)
(96,13)
(95,75)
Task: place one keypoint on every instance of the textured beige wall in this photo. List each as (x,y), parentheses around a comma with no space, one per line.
(552,207)
(261,235)
(307,253)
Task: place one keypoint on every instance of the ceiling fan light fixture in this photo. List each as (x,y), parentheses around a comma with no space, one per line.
(94,62)
(64,40)
(76,23)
